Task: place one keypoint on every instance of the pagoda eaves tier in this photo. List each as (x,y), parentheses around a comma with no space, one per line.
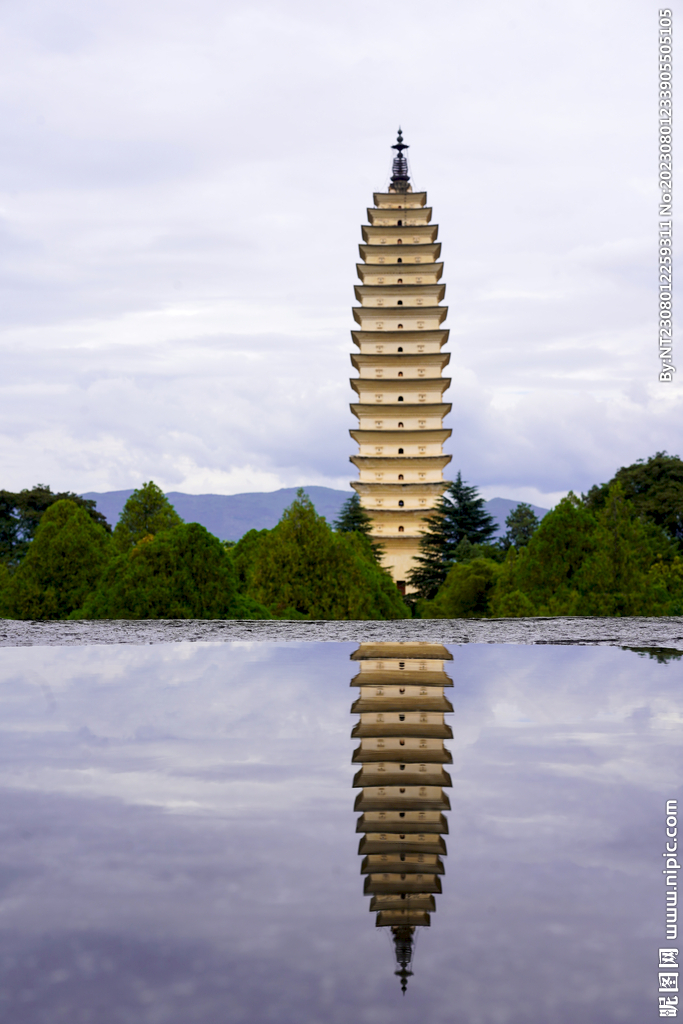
(400,363)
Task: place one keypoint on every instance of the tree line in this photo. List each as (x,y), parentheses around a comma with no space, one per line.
(61,560)
(616,550)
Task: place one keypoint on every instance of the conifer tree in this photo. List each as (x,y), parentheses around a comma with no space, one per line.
(522,523)
(614,578)
(180,573)
(544,571)
(354,519)
(62,565)
(459,514)
(303,569)
(146,513)
(654,486)
(22,511)
(578,563)
(466,591)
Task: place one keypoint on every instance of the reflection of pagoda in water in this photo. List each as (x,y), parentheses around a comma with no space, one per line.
(402,780)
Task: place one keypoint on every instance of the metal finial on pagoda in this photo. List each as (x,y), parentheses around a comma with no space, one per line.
(400,176)
(403,942)
(400,145)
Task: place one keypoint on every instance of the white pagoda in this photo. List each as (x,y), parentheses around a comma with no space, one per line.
(400,387)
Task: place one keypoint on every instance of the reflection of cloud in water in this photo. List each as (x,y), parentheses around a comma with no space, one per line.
(178,845)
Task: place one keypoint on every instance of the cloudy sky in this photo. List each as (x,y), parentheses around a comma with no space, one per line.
(181,193)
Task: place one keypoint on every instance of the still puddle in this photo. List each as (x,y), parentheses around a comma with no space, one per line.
(179,839)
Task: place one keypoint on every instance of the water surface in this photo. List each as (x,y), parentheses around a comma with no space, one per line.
(179,842)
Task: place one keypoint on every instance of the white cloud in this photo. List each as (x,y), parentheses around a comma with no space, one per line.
(180,204)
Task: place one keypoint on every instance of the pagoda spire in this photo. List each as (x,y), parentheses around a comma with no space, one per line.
(400,176)
(403,942)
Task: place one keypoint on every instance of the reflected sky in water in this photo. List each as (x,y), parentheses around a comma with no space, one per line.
(179,844)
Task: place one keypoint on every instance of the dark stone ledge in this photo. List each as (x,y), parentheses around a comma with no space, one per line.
(619,632)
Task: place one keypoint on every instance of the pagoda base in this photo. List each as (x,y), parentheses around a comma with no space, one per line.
(398,557)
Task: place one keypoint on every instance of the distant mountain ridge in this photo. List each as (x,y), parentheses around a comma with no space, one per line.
(230,516)
(500,509)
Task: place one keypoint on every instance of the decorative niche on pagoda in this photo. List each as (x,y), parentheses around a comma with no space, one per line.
(400,362)
(401,778)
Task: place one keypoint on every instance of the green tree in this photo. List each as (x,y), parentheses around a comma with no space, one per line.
(579,563)
(21,512)
(9,529)
(466,592)
(5,585)
(62,565)
(303,568)
(666,580)
(614,579)
(522,523)
(654,486)
(354,519)
(244,555)
(146,513)
(544,571)
(466,552)
(513,605)
(459,514)
(180,573)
